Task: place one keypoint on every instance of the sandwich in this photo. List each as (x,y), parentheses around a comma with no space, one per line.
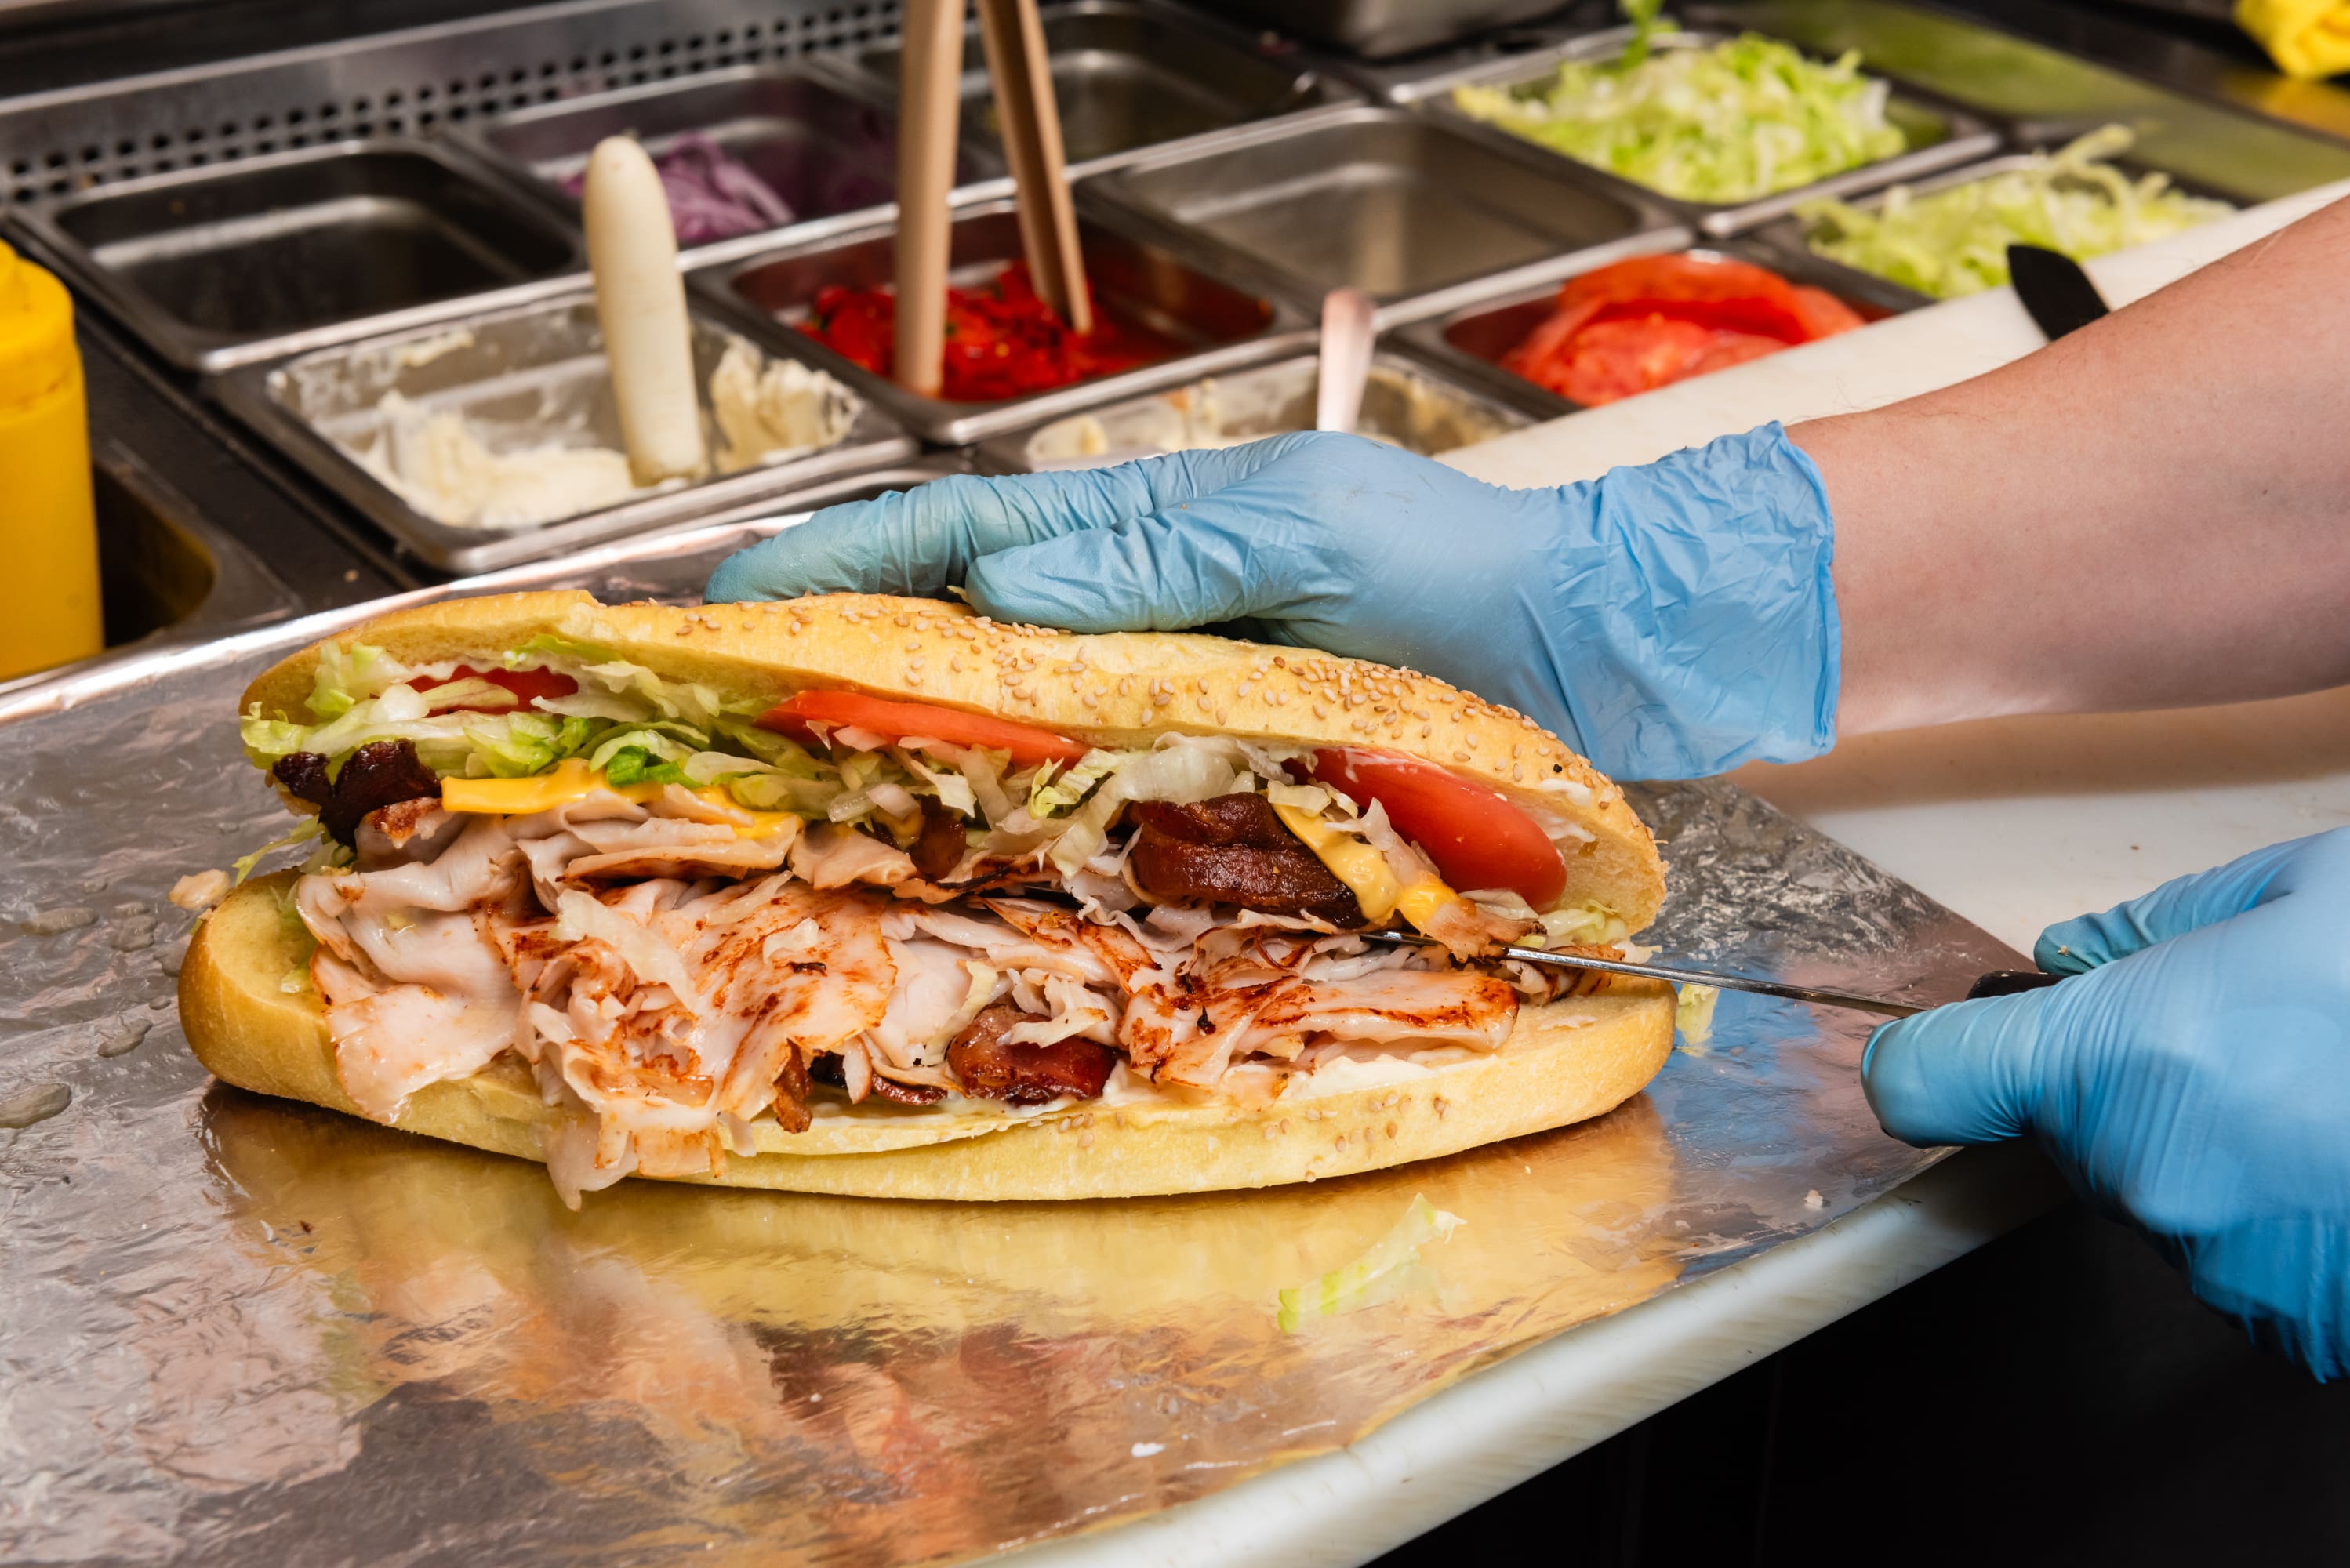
(873,896)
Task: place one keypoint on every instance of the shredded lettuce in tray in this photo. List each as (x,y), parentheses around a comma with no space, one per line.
(1953,242)
(1738,121)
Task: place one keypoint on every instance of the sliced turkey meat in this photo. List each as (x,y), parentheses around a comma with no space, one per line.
(673,970)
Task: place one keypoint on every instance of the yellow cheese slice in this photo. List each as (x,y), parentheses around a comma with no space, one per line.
(1366,872)
(572,779)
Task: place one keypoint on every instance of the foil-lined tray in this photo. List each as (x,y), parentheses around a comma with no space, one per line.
(241,1330)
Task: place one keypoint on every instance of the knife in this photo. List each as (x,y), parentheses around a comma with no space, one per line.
(2054,290)
(1998,982)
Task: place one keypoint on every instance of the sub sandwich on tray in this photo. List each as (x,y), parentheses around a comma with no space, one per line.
(874,895)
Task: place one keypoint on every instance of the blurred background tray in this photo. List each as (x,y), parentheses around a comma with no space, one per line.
(828,152)
(1410,210)
(1157,283)
(1470,343)
(1130,74)
(223,266)
(1937,135)
(523,377)
(1406,402)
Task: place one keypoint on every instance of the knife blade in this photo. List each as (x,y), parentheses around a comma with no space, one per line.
(2054,290)
(1997,982)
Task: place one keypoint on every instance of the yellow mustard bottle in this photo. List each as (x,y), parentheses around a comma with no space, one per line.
(49,525)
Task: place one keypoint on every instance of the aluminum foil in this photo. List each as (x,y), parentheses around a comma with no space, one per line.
(240,1330)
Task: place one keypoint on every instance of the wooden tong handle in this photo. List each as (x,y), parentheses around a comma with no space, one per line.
(930,98)
(1029,121)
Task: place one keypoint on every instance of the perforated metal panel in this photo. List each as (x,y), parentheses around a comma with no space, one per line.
(401,82)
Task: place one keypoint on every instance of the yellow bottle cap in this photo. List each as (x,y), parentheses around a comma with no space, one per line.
(37,340)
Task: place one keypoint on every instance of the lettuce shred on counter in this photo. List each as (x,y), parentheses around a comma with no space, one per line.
(1730,122)
(1953,242)
(1372,1277)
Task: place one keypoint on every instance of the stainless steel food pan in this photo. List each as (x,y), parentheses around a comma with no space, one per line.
(1382,29)
(225,266)
(1938,133)
(829,152)
(1407,402)
(1470,343)
(520,379)
(1157,283)
(1414,213)
(1790,234)
(1129,75)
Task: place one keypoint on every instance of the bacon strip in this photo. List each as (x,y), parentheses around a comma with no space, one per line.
(1232,850)
(990,1067)
(380,773)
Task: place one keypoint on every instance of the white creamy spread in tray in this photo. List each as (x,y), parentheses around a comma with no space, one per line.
(457,471)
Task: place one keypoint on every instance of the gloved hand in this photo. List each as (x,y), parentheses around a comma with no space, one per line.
(2194,1078)
(1669,622)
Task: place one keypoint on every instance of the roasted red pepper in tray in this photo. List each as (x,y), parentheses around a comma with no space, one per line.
(1645,323)
(1000,341)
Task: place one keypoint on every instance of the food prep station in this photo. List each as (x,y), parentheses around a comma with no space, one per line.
(265,249)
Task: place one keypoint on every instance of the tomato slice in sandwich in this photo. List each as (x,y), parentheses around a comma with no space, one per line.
(528,685)
(1027,744)
(1476,838)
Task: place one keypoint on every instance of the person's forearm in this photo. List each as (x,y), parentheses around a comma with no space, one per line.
(2154,512)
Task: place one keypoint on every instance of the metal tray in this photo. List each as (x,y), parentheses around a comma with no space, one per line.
(1129,75)
(1382,29)
(221,267)
(1939,134)
(1469,343)
(1786,234)
(1407,401)
(829,152)
(1155,281)
(535,374)
(1413,212)
(265,1333)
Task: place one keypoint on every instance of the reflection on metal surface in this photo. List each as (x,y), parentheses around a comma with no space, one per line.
(241,1328)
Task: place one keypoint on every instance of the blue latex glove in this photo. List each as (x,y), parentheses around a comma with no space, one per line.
(1670,620)
(2194,1078)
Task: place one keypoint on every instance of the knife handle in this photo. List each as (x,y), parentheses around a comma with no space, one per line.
(2011,982)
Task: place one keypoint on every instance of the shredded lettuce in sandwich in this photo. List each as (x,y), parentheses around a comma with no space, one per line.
(1953,242)
(1733,122)
(634,727)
